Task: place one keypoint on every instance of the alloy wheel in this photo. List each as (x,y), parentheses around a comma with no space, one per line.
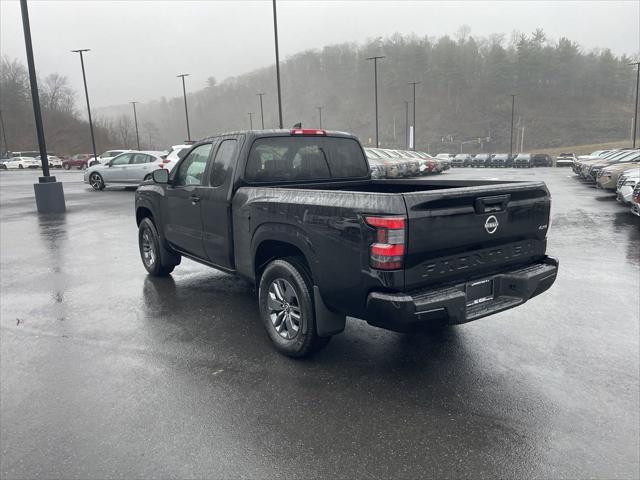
(95,181)
(148,248)
(284,308)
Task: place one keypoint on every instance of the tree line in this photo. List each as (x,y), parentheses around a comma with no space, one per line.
(564,96)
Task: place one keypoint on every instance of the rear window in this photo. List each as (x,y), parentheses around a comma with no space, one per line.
(281,159)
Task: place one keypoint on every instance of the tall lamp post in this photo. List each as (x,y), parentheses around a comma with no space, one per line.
(135,121)
(86,94)
(513,106)
(406,124)
(320,114)
(250,120)
(414,112)
(261,109)
(375,88)
(4,135)
(635,114)
(275,33)
(49,193)
(186,109)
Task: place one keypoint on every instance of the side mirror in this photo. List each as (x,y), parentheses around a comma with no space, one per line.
(160,175)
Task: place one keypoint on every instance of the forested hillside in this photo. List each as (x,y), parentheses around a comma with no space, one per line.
(565,95)
(66,132)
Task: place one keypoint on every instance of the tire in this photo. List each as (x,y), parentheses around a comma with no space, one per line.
(96,181)
(286,291)
(20,166)
(83,167)
(66,166)
(149,246)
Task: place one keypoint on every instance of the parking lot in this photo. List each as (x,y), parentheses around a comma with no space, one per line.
(108,373)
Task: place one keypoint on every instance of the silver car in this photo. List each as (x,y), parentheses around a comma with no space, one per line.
(129,168)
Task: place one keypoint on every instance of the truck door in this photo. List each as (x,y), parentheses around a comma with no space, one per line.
(183,227)
(216,204)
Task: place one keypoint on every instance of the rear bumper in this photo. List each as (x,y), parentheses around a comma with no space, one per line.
(409,312)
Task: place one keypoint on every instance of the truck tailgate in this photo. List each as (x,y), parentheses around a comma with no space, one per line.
(467,232)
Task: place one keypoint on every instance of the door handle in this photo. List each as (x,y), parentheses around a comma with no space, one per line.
(194,199)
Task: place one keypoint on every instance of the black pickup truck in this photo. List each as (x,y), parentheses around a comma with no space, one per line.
(297,213)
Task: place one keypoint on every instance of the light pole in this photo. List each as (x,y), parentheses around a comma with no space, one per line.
(414,112)
(49,193)
(261,109)
(513,105)
(4,135)
(375,87)
(250,120)
(86,94)
(635,115)
(275,33)
(186,109)
(406,124)
(320,115)
(135,121)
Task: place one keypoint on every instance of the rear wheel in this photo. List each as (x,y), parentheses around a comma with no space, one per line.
(286,308)
(20,166)
(83,166)
(96,181)
(66,166)
(150,250)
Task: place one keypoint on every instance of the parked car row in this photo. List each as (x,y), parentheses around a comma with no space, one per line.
(617,171)
(498,160)
(390,163)
(30,159)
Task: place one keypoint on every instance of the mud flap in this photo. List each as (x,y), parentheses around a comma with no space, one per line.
(327,322)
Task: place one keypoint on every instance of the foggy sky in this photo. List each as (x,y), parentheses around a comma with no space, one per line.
(138,48)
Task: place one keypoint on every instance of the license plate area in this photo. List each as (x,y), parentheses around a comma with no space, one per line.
(479,291)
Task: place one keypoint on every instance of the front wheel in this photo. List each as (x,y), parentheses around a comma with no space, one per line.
(286,308)
(149,244)
(96,181)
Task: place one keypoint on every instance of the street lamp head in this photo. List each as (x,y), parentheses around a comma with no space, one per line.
(81,50)
(182,75)
(376,57)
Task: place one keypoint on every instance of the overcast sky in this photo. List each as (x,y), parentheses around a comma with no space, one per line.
(139,47)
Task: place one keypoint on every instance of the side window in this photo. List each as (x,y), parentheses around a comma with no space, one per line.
(224,155)
(139,158)
(192,167)
(121,160)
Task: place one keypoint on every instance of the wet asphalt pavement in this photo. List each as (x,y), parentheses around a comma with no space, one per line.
(108,373)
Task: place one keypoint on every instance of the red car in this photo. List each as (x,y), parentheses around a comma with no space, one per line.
(79,160)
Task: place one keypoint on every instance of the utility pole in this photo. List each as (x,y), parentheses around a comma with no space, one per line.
(250,120)
(375,86)
(406,124)
(320,115)
(186,110)
(275,33)
(414,112)
(635,115)
(513,105)
(135,121)
(261,109)
(86,94)
(48,192)
(4,135)
(522,140)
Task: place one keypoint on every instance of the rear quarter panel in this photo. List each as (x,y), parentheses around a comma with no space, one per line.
(328,227)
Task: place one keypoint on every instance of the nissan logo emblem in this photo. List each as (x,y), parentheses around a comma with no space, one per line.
(491,224)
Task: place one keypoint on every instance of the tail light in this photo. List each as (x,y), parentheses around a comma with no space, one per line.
(389,250)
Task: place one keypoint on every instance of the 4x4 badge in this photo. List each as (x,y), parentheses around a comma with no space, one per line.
(491,224)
